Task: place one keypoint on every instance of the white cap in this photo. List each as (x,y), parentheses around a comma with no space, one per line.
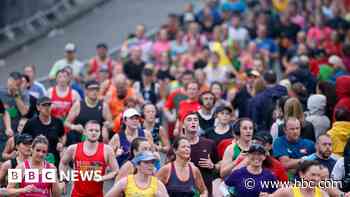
(335,60)
(69,47)
(130,113)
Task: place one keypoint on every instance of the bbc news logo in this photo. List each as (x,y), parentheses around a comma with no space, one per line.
(51,176)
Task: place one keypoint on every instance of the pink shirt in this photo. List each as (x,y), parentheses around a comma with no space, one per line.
(160,47)
(317,34)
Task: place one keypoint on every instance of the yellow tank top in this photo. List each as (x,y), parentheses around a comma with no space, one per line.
(297,192)
(132,190)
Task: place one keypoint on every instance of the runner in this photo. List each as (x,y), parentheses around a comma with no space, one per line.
(100,62)
(121,141)
(181,177)
(51,127)
(90,154)
(62,95)
(40,148)
(308,171)
(142,183)
(23,144)
(88,109)
(137,146)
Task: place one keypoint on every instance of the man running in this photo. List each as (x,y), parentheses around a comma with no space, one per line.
(87,155)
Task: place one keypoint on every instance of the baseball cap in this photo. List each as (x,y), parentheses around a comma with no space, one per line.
(222,108)
(253,73)
(257,148)
(15,75)
(144,156)
(92,84)
(43,100)
(70,47)
(23,138)
(147,72)
(130,113)
(263,137)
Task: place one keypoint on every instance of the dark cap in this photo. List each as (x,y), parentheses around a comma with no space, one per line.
(43,100)
(257,148)
(15,75)
(23,138)
(222,108)
(264,137)
(92,84)
(147,72)
(102,45)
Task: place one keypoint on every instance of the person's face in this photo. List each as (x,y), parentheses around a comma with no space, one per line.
(235,21)
(13,85)
(246,130)
(102,52)
(144,146)
(324,146)
(215,59)
(92,93)
(312,174)
(140,31)
(122,89)
(216,89)
(183,150)
(224,117)
(62,78)
(256,159)
(70,55)
(150,113)
(163,35)
(132,122)
(208,101)
(24,149)
(186,79)
(136,54)
(191,124)
(29,72)
(93,132)
(45,109)
(292,130)
(146,167)
(261,31)
(40,151)
(192,90)
(324,174)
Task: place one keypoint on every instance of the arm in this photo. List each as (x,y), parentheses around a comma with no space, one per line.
(162,192)
(108,124)
(14,185)
(124,171)
(3,171)
(9,150)
(68,156)
(164,174)
(73,113)
(118,189)
(290,163)
(22,107)
(199,182)
(111,162)
(7,122)
(115,144)
(165,140)
(56,191)
(227,163)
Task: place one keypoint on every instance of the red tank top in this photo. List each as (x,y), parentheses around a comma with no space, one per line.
(61,105)
(83,163)
(44,189)
(96,66)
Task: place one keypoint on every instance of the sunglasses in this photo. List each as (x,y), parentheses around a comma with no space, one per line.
(46,104)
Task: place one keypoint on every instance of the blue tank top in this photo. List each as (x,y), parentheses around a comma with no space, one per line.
(125,145)
(178,188)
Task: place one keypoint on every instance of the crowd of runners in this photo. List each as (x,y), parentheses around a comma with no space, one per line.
(220,101)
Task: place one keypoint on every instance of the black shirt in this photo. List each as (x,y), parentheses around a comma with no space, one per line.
(133,71)
(53,132)
(211,134)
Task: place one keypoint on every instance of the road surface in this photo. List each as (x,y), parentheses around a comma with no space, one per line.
(110,23)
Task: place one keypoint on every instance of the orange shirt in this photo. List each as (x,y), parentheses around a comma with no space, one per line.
(115,104)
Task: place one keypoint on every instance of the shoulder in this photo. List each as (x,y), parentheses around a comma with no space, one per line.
(6,165)
(107,148)
(306,142)
(205,140)
(71,149)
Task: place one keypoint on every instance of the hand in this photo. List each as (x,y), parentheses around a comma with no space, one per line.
(29,188)
(78,127)
(263,194)
(119,152)
(206,163)
(13,154)
(9,132)
(63,188)
(59,147)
